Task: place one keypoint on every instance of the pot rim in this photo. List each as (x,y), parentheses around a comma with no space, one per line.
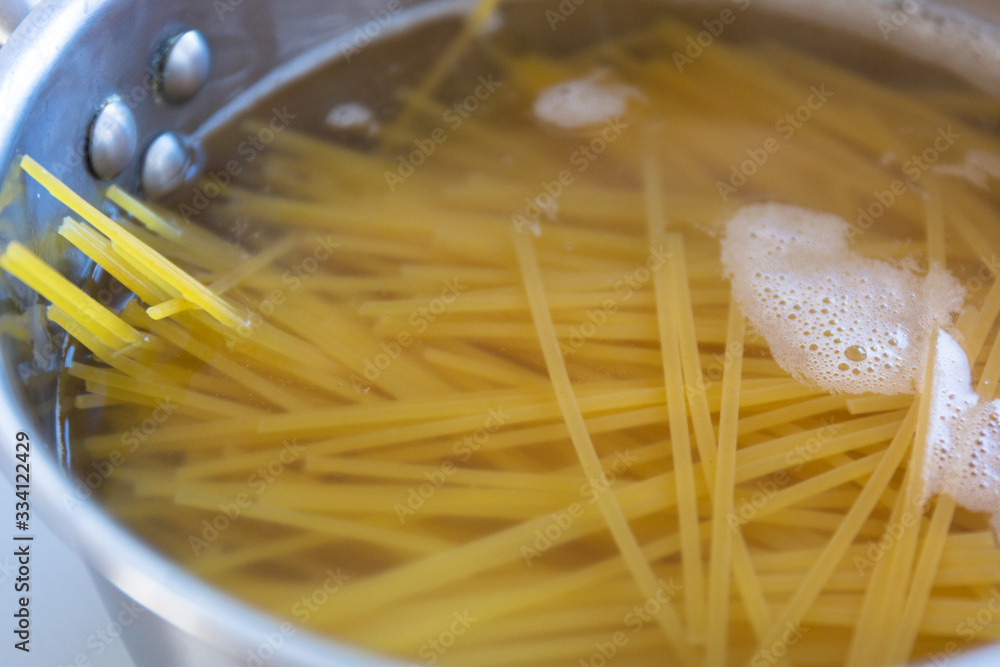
(156,581)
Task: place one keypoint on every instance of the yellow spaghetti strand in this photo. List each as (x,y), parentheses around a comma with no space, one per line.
(794,610)
(77,304)
(680,440)
(142,212)
(725,471)
(475,20)
(923,580)
(96,246)
(617,523)
(234,277)
(137,251)
(694,380)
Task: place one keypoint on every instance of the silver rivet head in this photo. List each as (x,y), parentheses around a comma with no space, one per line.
(112,140)
(184,67)
(166,164)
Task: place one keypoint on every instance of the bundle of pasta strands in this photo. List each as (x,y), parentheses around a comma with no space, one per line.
(502,409)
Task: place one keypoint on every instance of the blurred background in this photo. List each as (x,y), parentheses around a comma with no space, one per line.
(69,624)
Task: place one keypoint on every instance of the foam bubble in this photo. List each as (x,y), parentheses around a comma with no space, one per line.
(963,439)
(493,23)
(352,116)
(978,168)
(819,305)
(583,102)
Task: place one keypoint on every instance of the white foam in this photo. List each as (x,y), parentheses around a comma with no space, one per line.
(833,318)
(978,168)
(963,439)
(952,35)
(352,116)
(584,102)
(493,23)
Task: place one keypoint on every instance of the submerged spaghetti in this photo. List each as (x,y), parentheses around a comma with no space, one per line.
(481,396)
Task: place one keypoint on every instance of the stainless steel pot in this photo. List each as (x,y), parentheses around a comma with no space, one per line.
(59,69)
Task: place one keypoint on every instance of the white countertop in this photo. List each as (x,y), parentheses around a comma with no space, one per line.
(69,624)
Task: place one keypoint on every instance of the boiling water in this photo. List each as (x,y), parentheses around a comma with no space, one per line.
(490,398)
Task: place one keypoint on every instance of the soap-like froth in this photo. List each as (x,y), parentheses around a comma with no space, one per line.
(832,318)
(963,439)
(979,168)
(584,102)
(352,116)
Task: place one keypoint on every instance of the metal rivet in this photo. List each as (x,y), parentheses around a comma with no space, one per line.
(184,67)
(165,165)
(112,139)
